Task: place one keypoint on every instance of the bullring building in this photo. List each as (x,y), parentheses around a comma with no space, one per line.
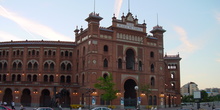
(33,73)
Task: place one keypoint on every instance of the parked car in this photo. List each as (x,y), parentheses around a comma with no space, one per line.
(43,108)
(101,108)
(217,109)
(2,107)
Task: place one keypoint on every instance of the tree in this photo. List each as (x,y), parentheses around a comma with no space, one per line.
(106,84)
(204,96)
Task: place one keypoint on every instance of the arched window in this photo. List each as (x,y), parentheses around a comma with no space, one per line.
(14,65)
(49,52)
(152,67)
(140,65)
(13,77)
(35,65)
(83,79)
(51,66)
(105,63)
(51,78)
(62,66)
(68,79)
(45,78)
(33,52)
(61,53)
(19,65)
(29,65)
(4,77)
(150,100)
(68,67)
(152,82)
(78,53)
(130,60)
(34,78)
(29,78)
(152,54)
(36,54)
(172,75)
(18,52)
(77,79)
(45,53)
(0,65)
(62,79)
(105,48)
(66,53)
(155,100)
(119,64)
(84,50)
(54,53)
(5,66)
(105,75)
(19,77)
(173,85)
(46,66)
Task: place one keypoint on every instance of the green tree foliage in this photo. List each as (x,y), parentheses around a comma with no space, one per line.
(106,84)
(204,96)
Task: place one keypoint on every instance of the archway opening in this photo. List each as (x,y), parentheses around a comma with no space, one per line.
(26,97)
(130,95)
(8,96)
(45,99)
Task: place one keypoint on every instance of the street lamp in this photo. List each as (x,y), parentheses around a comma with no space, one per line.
(137,89)
(89,91)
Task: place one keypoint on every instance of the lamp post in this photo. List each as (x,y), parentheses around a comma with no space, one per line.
(89,91)
(138,105)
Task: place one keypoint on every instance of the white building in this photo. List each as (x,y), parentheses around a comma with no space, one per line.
(189,88)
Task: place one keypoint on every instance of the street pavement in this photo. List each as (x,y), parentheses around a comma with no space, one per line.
(203,106)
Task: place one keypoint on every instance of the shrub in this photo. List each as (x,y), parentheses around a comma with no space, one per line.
(75,105)
(111,106)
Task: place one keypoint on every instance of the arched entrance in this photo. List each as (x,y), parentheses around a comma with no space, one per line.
(45,99)
(8,96)
(26,97)
(65,98)
(130,95)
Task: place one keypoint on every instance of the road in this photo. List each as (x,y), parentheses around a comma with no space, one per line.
(203,106)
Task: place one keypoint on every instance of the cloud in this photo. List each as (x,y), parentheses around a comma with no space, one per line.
(4,36)
(32,27)
(186,46)
(117,7)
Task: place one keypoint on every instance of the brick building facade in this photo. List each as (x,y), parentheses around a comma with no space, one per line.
(33,72)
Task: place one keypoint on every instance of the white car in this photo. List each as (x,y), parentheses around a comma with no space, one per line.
(101,108)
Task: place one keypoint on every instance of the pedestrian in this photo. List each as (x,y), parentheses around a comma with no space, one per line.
(5,103)
(21,107)
(13,105)
(80,108)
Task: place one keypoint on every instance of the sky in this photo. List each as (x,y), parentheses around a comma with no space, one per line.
(192,27)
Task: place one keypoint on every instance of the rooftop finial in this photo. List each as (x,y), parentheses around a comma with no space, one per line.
(157,20)
(128,6)
(94,6)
